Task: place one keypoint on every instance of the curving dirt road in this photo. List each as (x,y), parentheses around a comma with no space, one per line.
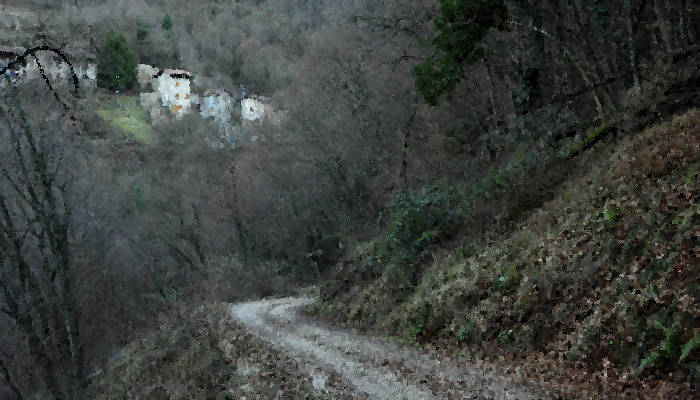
(364,367)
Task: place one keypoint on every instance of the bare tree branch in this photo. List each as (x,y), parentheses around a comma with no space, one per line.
(15,186)
(8,378)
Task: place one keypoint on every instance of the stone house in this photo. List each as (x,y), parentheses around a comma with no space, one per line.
(174,89)
(56,69)
(216,105)
(87,74)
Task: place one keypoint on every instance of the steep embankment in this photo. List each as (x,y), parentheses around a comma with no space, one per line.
(598,284)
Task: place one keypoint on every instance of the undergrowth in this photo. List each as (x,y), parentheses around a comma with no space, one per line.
(414,221)
(604,275)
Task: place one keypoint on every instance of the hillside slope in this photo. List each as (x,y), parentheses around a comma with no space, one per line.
(591,288)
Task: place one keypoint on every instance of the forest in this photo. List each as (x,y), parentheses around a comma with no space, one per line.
(511,184)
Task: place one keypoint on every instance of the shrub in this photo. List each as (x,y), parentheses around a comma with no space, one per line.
(421,321)
(413,221)
(167,23)
(116,63)
(601,12)
(417,331)
(466,331)
(505,336)
(611,213)
(142,31)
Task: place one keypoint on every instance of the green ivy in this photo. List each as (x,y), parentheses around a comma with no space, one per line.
(689,177)
(611,213)
(418,329)
(505,336)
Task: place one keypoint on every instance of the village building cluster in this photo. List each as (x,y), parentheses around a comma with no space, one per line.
(170,92)
(162,92)
(174,89)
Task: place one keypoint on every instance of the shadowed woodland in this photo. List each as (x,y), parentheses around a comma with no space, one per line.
(473,174)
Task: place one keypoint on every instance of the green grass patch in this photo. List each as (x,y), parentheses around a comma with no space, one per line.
(128,117)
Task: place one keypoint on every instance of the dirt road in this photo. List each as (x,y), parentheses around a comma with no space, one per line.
(344,363)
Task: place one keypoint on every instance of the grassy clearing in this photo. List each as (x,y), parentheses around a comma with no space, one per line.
(602,280)
(128,117)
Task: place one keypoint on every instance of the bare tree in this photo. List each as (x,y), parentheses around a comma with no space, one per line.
(35,254)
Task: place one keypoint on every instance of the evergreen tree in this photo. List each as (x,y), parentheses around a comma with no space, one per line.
(167,23)
(116,63)
(458,34)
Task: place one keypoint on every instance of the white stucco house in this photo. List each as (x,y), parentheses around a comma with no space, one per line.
(252,109)
(174,90)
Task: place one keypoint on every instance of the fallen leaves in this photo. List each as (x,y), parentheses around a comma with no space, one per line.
(600,281)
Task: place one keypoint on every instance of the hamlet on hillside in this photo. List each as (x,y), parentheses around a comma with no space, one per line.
(162,92)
